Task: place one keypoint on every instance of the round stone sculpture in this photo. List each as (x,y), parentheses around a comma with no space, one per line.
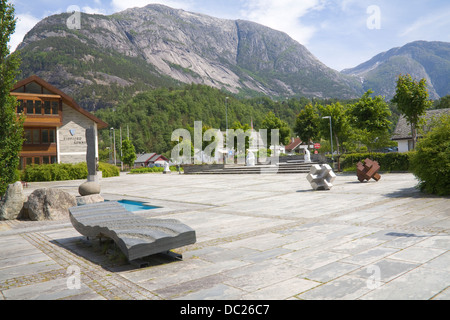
(88,188)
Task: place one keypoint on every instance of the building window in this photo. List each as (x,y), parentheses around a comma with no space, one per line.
(37,107)
(52,135)
(39,136)
(30,106)
(44,136)
(20,106)
(47,109)
(55,107)
(27,136)
(36,160)
(36,136)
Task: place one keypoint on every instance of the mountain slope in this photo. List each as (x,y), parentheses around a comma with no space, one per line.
(421,59)
(113,57)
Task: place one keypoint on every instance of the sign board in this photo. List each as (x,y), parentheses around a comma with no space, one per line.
(316,145)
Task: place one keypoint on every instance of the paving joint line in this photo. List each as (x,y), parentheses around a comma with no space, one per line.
(106,284)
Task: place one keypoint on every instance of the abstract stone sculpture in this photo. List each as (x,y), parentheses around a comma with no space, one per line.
(368,170)
(307,156)
(166,168)
(137,237)
(321,177)
(250,160)
(91,186)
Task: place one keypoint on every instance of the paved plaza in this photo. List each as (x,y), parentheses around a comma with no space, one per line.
(269,237)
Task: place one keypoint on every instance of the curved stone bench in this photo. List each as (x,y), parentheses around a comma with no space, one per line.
(137,237)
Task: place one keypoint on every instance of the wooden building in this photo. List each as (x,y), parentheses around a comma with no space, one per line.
(54,126)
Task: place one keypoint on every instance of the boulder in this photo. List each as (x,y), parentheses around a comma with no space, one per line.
(11,207)
(93,198)
(50,204)
(89,188)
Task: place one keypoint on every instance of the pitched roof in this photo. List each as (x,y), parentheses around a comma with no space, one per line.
(403,130)
(144,157)
(294,144)
(66,99)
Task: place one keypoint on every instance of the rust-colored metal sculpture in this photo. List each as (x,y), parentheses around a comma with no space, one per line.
(368,170)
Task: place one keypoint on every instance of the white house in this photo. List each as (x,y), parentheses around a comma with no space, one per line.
(402,134)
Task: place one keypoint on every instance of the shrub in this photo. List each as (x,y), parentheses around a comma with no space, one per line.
(55,172)
(64,171)
(430,163)
(108,170)
(152,169)
(388,161)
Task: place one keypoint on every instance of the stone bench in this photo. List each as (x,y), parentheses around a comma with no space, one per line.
(368,170)
(137,237)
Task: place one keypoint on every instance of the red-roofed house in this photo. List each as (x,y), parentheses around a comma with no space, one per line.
(148,159)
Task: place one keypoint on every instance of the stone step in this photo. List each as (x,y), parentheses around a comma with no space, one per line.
(281,168)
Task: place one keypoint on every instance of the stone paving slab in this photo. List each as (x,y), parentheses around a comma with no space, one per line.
(268,237)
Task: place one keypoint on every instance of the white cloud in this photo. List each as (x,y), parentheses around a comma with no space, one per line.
(89,10)
(25,22)
(426,23)
(283,15)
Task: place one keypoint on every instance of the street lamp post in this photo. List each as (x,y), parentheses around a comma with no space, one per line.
(331,137)
(114,145)
(226,124)
(226,112)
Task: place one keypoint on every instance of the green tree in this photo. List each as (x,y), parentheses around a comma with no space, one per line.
(128,153)
(271,121)
(442,103)
(11,127)
(412,101)
(240,132)
(369,118)
(340,124)
(430,163)
(307,124)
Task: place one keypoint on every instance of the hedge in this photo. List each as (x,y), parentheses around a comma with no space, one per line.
(64,171)
(388,162)
(108,170)
(152,169)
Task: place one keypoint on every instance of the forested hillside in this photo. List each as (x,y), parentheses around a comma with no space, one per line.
(152,116)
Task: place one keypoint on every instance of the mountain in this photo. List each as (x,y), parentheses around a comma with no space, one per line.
(111,58)
(421,59)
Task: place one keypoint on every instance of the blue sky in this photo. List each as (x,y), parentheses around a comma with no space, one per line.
(340,33)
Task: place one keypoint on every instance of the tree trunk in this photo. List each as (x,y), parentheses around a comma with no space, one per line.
(414,135)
